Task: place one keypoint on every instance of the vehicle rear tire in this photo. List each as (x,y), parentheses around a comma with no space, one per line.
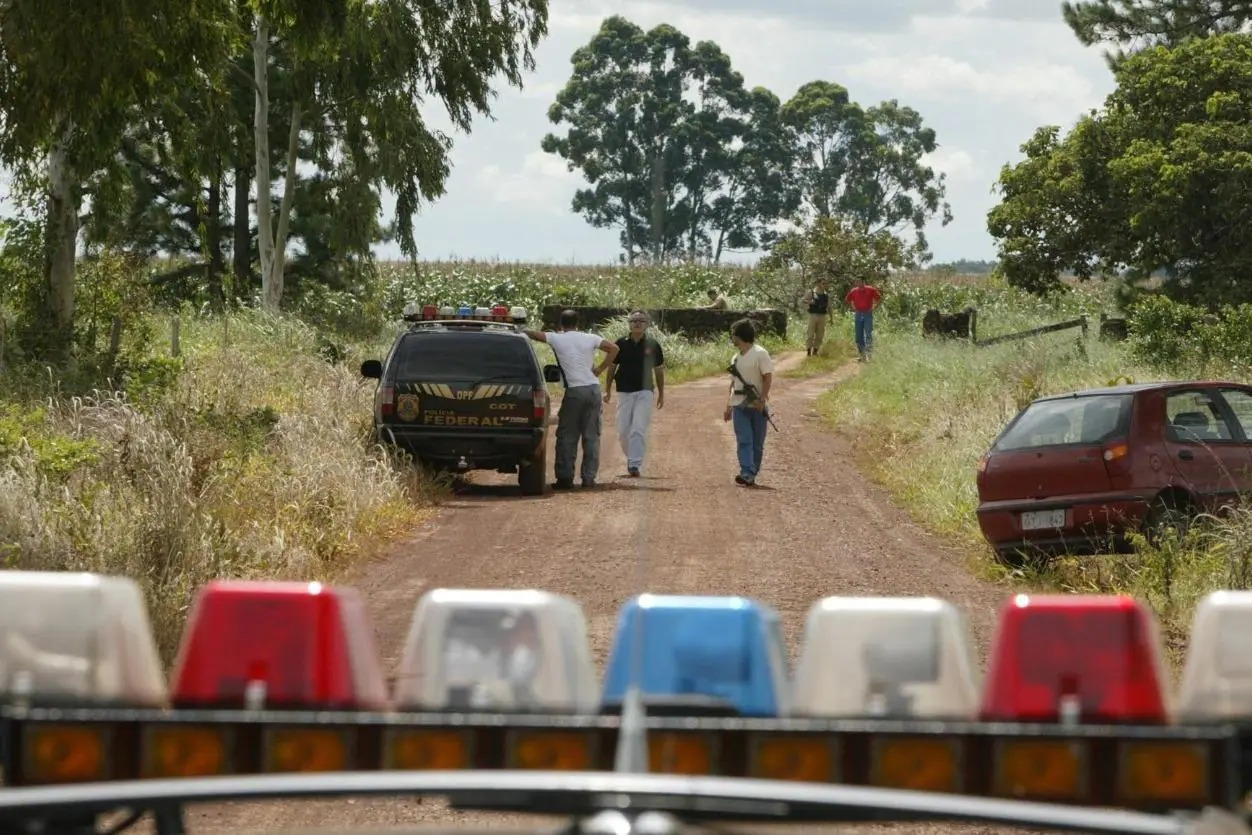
(532,475)
(1168,512)
(1019,559)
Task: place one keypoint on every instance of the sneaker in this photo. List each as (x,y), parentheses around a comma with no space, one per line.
(634,472)
(588,483)
(563,484)
(741,480)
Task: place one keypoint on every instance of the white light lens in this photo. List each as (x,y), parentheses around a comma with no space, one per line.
(518,313)
(72,638)
(486,649)
(482,312)
(410,309)
(886,656)
(1217,677)
(447,312)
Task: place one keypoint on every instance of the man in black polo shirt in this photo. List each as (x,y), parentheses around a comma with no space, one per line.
(818,300)
(638,363)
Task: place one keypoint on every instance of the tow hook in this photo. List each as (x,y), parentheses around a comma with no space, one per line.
(462,464)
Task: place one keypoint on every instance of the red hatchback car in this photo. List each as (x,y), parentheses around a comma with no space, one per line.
(1074,473)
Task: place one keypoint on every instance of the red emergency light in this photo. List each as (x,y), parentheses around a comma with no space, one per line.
(500,313)
(280,646)
(430,312)
(1079,658)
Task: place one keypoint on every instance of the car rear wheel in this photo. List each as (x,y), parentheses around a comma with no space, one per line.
(531,475)
(1021,558)
(1169,516)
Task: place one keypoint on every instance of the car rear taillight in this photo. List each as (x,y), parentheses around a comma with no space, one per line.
(1116,455)
(388,403)
(541,407)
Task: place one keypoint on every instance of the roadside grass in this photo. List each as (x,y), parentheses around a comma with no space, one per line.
(924,411)
(249,458)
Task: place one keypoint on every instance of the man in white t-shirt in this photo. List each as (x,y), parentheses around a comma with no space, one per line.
(581,412)
(756,367)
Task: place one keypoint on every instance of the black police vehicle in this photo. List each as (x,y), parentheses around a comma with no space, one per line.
(463,389)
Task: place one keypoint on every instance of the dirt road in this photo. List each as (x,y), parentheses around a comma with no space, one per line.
(813,527)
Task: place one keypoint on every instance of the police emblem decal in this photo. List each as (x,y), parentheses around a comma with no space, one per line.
(406,406)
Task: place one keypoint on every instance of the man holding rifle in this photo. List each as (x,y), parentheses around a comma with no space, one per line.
(752,372)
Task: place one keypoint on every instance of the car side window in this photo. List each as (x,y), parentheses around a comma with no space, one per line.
(1240,403)
(1192,416)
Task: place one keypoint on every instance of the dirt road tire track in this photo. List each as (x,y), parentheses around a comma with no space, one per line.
(815,527)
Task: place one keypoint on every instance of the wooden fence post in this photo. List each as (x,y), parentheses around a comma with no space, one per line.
(175,348)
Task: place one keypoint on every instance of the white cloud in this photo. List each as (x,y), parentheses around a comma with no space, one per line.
(958,165)
(542,183)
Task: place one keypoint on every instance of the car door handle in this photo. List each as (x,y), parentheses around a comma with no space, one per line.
(1186,455)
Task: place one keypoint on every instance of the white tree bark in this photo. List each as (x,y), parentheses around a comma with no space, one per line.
(271,243)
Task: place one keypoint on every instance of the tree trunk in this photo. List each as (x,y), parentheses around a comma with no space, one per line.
(61,242)
(242,216)
(261,138)
(278,264)
(213,238)
(658,206)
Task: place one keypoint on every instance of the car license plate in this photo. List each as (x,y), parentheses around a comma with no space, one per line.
(1040,519)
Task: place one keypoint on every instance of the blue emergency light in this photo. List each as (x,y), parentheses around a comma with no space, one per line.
(465,310)
(725,649)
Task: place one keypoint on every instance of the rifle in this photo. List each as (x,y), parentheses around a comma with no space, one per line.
(750,395)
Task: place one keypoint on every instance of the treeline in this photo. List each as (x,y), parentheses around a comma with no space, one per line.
(1152,188)
(143,129)
(687,161)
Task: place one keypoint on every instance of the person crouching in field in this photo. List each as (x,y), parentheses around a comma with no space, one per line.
(756,367)
(638,363)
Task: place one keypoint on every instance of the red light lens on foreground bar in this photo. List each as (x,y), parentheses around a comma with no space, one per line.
(278,645)
(1075,658)
(69,638)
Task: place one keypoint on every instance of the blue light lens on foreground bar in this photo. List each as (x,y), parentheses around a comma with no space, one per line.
(727,650)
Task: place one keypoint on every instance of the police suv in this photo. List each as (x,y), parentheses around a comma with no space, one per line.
(462,389)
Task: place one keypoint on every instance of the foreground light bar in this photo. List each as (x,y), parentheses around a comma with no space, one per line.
(886,656)
(728,650)
(489,649)
(278,645)
(71,638)
(1076,658)
(1217,677)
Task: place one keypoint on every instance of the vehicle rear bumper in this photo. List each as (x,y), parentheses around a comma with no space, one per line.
(1093,522)
(478,450)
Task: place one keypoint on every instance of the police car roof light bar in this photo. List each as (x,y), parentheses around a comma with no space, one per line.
(1217,675)
(497,650)
(280,646)
(1076,658)
(69,638)
(898,657)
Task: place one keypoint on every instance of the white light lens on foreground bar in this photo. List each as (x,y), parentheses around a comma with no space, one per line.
(893,657)
(1217,677)
(496,649)
(76,639)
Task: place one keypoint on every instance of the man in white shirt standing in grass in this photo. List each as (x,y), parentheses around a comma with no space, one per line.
(581,414)
(756,367)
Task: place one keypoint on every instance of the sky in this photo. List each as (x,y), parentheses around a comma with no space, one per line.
(983,73)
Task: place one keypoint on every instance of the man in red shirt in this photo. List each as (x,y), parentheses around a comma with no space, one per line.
(863,298)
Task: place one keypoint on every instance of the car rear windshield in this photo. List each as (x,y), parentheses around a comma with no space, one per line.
(464,357)
(1072,421)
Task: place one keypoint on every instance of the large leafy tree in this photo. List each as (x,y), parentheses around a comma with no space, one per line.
(676,151)
(360,73)
(866,164)
(1130,25)
(72,76)
(1155,183)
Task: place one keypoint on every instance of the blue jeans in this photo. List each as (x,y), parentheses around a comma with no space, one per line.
(750,428)
(864,331)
